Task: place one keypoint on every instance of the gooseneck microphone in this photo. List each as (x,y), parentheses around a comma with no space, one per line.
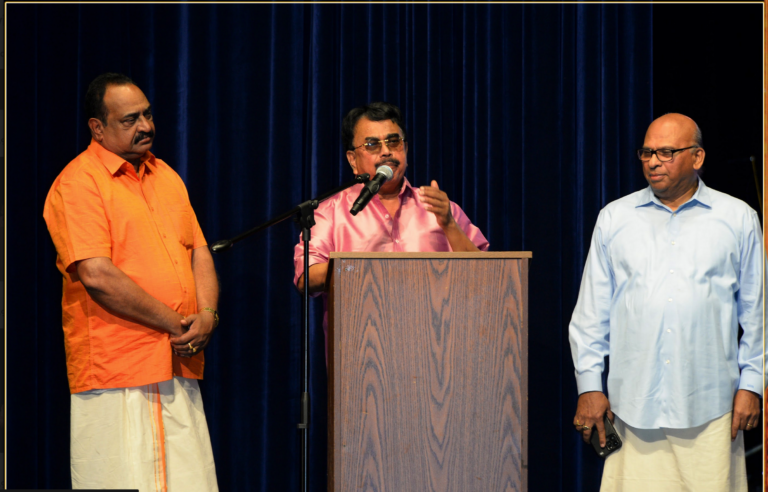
(383,174)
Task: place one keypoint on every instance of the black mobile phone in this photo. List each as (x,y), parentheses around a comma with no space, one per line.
(612,439)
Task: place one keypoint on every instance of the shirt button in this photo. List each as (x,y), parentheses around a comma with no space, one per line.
(673,243)
(671,271)
(163,235)
(151,209)
(667,361)
(674,215)
(670,299)
(177,262)
(397,241)
(386,216)
(668,330)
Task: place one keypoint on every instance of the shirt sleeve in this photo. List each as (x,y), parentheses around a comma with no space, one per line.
(749,304)
(320,245)
(473,232)
(76,219)
(589,330)
(198,239)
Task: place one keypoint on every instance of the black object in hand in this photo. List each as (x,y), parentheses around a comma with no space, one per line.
(612,439)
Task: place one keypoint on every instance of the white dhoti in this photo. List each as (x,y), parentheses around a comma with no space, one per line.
(699,459)
(153,438)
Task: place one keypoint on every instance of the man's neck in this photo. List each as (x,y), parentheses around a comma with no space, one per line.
(135,162)
(391,201)
(393,195)
(675,203)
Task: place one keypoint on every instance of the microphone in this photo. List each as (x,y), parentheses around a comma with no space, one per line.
(383,174)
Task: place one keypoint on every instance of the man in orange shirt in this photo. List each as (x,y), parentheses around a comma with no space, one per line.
(139,304)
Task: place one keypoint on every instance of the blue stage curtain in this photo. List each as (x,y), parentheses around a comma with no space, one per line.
(527,115)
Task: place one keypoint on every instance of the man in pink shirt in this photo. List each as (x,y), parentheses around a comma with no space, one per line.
(399,218)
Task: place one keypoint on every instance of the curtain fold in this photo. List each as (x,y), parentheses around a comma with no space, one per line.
(526,115)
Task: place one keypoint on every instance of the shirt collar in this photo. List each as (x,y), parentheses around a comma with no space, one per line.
(114,162)
(406,186)
(702,197)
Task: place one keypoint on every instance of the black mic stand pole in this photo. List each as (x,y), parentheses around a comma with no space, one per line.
(304,214)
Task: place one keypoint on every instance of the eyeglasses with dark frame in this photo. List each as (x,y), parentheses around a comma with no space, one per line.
(663,155)
(373,145)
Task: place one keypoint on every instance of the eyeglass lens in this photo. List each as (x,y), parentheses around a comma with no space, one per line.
(662,154)
(392,143)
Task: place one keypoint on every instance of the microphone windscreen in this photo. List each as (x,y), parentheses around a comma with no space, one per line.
(386,171)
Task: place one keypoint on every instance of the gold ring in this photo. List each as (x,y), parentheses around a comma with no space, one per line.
(193,349)
(749,425)
(577,423)
(586,428)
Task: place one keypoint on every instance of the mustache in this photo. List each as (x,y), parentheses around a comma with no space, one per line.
(390,160)
(142,135)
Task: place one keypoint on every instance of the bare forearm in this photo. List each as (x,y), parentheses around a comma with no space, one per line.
(457,239)
(206,282)
(116,292)
(317,276)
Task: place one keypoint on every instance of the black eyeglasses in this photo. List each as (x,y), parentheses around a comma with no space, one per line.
(373,145)
(663,155)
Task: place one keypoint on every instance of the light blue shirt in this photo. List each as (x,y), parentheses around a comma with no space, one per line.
(663,293)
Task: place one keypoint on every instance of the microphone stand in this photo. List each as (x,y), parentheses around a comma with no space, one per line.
(304,214)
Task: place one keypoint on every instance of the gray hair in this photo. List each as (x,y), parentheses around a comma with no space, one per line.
(697,138)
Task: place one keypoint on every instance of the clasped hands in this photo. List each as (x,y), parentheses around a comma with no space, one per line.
(195,332)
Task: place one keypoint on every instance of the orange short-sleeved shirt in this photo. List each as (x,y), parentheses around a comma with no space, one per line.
(99,206)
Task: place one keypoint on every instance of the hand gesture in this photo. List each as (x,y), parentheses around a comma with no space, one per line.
(437,202)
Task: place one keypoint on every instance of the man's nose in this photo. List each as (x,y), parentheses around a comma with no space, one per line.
(654,161)
(385,150)
(144,125)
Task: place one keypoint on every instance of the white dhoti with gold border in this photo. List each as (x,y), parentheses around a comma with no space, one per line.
(153,438)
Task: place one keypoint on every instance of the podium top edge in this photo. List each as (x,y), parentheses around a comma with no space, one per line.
(434,255)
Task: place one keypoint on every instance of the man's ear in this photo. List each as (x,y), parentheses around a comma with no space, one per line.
(699,158)
(97,129)
(351,160)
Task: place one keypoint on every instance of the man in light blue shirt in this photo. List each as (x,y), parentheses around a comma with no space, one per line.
(672,272)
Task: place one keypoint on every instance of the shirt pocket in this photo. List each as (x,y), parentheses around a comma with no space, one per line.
(183,222)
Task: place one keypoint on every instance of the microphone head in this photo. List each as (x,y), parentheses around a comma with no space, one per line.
(386,171)
(221,246)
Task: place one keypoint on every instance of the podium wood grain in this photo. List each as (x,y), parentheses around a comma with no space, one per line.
(427,374)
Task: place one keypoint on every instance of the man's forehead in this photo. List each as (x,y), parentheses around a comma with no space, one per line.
(671,133)
(125,99)
(671,127)
(366,128)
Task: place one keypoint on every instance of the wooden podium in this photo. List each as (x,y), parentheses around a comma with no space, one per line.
(428,372)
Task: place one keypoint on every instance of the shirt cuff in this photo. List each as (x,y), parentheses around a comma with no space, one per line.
(589,381)
(751,381)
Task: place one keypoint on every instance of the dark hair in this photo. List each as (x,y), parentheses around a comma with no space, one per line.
(375,111)
(94,98)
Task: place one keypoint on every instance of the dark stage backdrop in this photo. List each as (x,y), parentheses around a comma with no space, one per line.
(527,115)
